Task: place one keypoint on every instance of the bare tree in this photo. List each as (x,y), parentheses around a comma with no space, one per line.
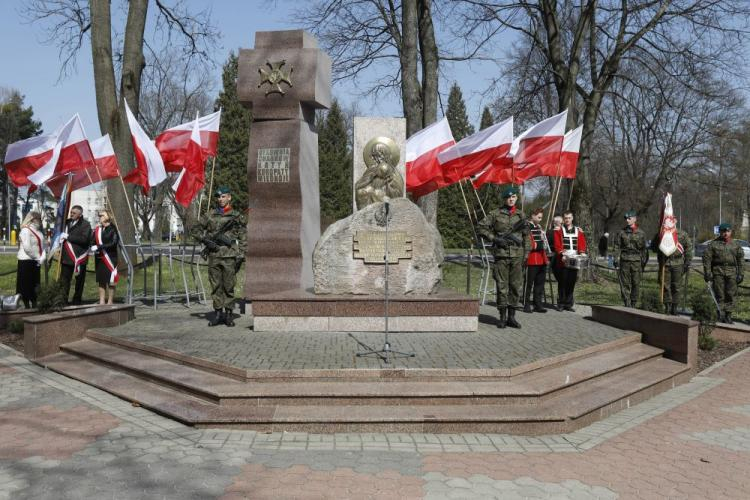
(70,22)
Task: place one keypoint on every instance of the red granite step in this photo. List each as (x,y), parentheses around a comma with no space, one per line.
(528,388)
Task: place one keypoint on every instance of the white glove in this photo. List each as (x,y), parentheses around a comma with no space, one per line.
(93,248)
(63,236)
(43,257)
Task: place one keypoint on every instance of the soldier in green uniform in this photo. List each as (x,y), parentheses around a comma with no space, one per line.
(222,232)
(724,267)
(632,256)
(672,268)
(507,229)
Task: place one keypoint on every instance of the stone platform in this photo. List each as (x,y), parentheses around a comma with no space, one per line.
(303,311)
(560,372)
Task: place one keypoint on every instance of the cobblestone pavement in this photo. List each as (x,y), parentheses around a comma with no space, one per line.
(60,439)
(543,335)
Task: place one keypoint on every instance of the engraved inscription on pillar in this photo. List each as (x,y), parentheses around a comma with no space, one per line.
(273,165)
(370,246)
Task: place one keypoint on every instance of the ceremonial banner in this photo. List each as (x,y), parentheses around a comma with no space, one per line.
(570,152)
(75,152)
(26,157)
(536,152)
(472,154)
(149,170)
(173,142)
(105,167)
(192,177)
(668,243)
(423,171)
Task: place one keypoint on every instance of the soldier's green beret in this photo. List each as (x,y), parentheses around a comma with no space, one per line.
(222,190)
(508,192)
(630,213)
(725,226)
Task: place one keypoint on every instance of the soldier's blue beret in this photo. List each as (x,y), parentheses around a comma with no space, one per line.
(630,213)
(725,226)
(223,190)
(509,191)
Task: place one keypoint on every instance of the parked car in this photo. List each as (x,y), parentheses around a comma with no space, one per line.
(701,247)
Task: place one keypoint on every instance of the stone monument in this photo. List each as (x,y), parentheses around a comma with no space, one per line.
(284,79)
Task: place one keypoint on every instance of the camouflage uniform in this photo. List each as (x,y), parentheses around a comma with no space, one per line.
(673,268)
(632,255)
(724,264)
(223,261)
(509,253)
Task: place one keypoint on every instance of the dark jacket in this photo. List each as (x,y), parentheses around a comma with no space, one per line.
(507,222)
(109,240)
(79,237)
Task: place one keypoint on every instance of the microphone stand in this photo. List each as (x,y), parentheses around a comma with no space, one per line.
(386,353)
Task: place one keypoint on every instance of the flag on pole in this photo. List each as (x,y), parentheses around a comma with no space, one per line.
(668,242)
(537,151)
(475,152)
(423,172)
(26,157)
(149,170)
(192,176)
(493,174)
(173,142)
(105,167)
(61,214)
(75,152)
(570,151)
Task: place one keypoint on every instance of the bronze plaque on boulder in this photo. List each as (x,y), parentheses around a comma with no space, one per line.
(370,246)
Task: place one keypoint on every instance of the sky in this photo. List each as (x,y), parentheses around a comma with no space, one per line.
(32,66)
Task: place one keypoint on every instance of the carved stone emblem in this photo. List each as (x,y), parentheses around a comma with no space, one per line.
(275,77)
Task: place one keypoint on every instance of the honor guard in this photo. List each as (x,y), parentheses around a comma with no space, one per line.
(536,263)
(508,231)
(673,268)
(724,269)
(570,253)
(222,232)
(632,256)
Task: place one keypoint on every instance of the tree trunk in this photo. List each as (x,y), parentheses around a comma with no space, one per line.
(410,87)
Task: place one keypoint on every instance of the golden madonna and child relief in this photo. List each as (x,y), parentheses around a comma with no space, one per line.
(381,180)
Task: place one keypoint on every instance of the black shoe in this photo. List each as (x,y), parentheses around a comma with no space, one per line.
(569,308)
(501,318)
(527,308)
(539,309)
(218,318)
(228,317)
(728,319)
(558,308)
(512,318)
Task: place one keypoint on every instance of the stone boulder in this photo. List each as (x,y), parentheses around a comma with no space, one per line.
(337,271)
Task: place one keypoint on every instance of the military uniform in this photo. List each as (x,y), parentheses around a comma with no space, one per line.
(223,233)
(672,268)
(508,230)
(632,255)
(724,265)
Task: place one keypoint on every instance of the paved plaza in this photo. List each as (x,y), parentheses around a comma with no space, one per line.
(61,439)
(544,336)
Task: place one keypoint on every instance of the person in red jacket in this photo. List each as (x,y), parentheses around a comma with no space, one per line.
(536,263)
(569,242)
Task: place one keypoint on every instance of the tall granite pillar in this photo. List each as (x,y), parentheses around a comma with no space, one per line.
(284,79)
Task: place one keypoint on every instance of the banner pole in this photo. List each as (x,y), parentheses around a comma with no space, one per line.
(127,200)
(68,199)
(210,186)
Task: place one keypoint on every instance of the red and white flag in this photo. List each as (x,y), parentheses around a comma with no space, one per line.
(75,152)
(105,167)
(494,174)
(26,157)
(423,171)
(173,142)
(570,151)
(472,154)
(537,151)
(192,176)
(149,170)
(668,242)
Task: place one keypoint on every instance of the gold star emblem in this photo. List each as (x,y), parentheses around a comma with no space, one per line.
(275,77)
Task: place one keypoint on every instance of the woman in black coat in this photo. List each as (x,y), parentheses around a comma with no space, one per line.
(105,249)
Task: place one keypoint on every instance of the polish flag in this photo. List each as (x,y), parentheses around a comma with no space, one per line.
(105,167)
(536,152)
(149,170)
(24,158)
(570,151)
(472,154)
(173,142)
(75,152)
(423,171)
(494,174)
(192,176)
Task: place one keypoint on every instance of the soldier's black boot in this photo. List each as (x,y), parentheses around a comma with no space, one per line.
(501,318)
(218,318)
(512,318)
(673,310)
(228,317)
(539,308)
